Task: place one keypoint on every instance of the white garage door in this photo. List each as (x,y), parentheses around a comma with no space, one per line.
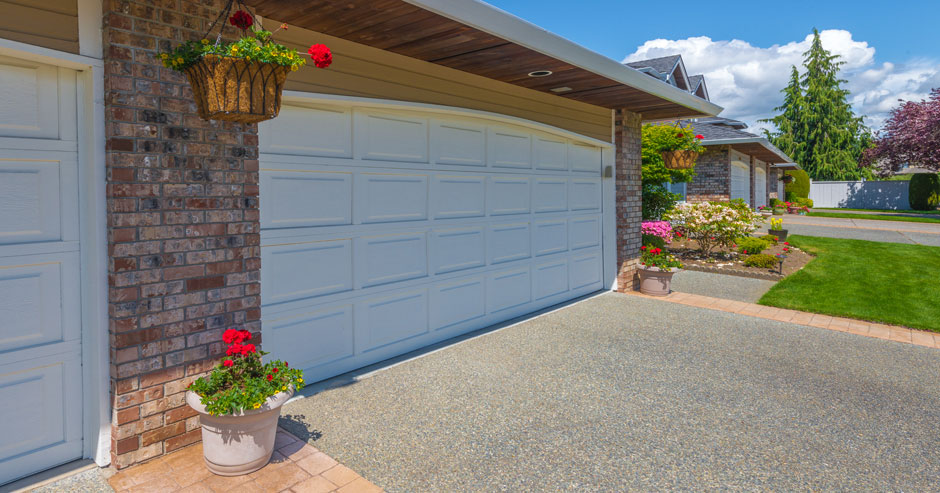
(760,186)
(385,230)
(40,316)
(740,181)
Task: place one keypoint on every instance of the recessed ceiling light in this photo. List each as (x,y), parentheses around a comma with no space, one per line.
(560,89)
(540,73)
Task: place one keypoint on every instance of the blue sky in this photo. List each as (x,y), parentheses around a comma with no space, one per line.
(892,48)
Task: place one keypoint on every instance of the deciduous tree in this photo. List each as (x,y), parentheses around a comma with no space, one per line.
(911,136)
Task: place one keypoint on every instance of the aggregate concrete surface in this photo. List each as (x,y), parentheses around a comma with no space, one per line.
(738,288)
(621,393)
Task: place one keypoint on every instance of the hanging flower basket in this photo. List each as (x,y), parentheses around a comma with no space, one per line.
(242,80)
(786,179)
(680,159)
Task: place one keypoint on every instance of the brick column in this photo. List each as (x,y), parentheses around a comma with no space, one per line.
(628,194)
(183,230)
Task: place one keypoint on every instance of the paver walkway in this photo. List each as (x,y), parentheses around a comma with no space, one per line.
(295,466)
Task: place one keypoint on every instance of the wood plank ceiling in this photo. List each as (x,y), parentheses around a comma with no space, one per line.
(405,29)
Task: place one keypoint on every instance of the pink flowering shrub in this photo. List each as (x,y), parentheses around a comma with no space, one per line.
(662,229)
(714,224)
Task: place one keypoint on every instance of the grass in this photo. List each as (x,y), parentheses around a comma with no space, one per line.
(891,283)
(886,217)
(905,177)
(903,211)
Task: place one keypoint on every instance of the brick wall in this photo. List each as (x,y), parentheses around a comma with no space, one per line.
(712,176)
(628,195)
(183,228)
(773,179)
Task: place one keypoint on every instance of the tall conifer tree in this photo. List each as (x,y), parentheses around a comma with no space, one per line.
(816,126)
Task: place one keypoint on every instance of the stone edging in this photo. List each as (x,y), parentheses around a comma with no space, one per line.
(858,327)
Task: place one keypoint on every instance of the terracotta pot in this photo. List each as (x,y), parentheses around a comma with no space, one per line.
(781,234)
(233,89)
(236,444)
(655,281)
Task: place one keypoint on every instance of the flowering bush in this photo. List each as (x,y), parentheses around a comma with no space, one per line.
(661,229)
(657,257)
(241,381)
(713,224)
(255,44)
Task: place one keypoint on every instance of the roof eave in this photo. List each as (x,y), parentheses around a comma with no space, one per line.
(752,140)
(511,28)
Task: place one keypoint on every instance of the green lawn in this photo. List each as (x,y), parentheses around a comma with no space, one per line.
(890,283)
(906,211)
(885,217)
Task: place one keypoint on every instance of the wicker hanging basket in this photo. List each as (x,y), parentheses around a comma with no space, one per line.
(236,90)
(681,159)
(786,179)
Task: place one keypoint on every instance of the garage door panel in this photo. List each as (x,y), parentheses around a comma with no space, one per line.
(508,241)
(509,148)
(508,195)
(457,302)
(740,181)
(306,270)
(322,131)
(585,194)
(550,194)
(387,197)
(388,320)
(550,278)
(458,143)
(458,196)
(585,270)
(391,137)
(313,339)
(760,187)
(584,231)
(391,258)
(550,236)
(585,157)
(29,101)
(30,208)
(551,153)
(458,249)
(293,199)
(508,289)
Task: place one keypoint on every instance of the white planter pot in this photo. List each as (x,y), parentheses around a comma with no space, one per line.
(655,281)
(236,444)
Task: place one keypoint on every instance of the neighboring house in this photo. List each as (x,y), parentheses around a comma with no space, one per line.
(736,164)
(441,176)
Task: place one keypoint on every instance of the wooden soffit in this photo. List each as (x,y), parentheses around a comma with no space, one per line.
(759,151)
(410,30)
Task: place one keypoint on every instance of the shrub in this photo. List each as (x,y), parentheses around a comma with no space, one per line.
(657,200)
(661,229)
(770,239)
(653,241)
(777,203)
(751,245)
(713,224)
(791,197)
(924,192)
(804,202)
(799,186)
(761,260)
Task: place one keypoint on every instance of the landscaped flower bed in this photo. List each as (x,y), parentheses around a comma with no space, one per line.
(731,260)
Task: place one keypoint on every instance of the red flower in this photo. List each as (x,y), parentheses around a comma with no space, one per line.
(643,247)
(230,336)
(241,19)
(786,249)
(320,55)
(228,362)
(246,335)
(786,243)
(270,377)
(234,349)
(248,348)
(275,370)
(680,135)
(745,252)
(699,137)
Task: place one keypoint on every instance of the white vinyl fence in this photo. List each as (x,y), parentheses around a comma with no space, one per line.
(860,194)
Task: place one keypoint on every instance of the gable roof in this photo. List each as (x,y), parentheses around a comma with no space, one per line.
(697,84)
(663,65)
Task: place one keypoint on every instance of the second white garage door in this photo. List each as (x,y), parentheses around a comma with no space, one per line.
(385,230)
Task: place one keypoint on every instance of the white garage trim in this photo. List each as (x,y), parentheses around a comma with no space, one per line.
(92,200)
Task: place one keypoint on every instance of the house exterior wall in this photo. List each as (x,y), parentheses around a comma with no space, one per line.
(628,196)
(183,230)
(712,176)
(47,23)
(363,71)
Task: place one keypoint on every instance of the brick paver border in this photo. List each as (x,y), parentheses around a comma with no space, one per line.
(858,327)
(296,466)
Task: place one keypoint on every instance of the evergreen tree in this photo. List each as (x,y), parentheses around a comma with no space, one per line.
(816,126)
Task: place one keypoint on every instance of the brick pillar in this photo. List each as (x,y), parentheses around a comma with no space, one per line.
(183,230)
(628,194)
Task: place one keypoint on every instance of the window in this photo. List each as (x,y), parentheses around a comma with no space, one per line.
(679,188)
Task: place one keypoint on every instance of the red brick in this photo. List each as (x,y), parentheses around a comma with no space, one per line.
(162,376)
(125,416)
(205,283)
(161,434)
(179,441)
(127,445)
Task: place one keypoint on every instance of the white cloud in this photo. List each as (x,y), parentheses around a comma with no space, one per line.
(746,79)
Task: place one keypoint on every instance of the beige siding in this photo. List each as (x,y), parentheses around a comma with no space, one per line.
(360,70)
(48,23)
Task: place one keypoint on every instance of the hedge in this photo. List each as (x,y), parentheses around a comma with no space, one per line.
(800,184)
(924,192)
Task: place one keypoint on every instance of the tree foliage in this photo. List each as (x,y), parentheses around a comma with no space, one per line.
(800,184)
(659,138)
(816,125)
(911,136)
(924,192)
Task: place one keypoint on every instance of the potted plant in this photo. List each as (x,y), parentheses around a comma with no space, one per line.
(242,80)
(776,229)
(786,179)
(239,404)
(656,269)
(680,149)
(765,211)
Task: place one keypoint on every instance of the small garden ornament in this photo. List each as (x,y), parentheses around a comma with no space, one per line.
(241,80)
(239,404)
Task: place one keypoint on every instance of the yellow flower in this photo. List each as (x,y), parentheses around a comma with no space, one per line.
(205,41)
(234,50)
(257,48)
(179,60)
(293,69)
(164,56)
(284,387)
(257,406)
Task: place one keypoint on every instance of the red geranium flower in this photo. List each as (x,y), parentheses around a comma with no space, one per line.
(230,336)
(786,243)
(699,137)
(680,135)
(228,362)
(246,335)
(270,377)
(241,19)
(234,349)
(643,247)
(275,370)
(321,55)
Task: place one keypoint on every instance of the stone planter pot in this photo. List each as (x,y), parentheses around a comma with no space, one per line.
(237,444)
(766,213)
(655,281)
(778,211)
(781,234)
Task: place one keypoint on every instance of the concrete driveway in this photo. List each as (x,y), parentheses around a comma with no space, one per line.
(621,393)
(862,229)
